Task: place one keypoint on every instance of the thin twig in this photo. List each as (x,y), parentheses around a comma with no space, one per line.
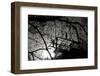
(42,39)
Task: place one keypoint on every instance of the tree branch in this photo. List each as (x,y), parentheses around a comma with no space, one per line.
(42,39)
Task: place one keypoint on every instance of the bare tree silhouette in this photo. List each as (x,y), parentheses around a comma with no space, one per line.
(61,42)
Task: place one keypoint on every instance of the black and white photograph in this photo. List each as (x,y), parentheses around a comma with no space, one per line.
(57,37)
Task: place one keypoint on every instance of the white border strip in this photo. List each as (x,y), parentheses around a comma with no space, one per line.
(25,64)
